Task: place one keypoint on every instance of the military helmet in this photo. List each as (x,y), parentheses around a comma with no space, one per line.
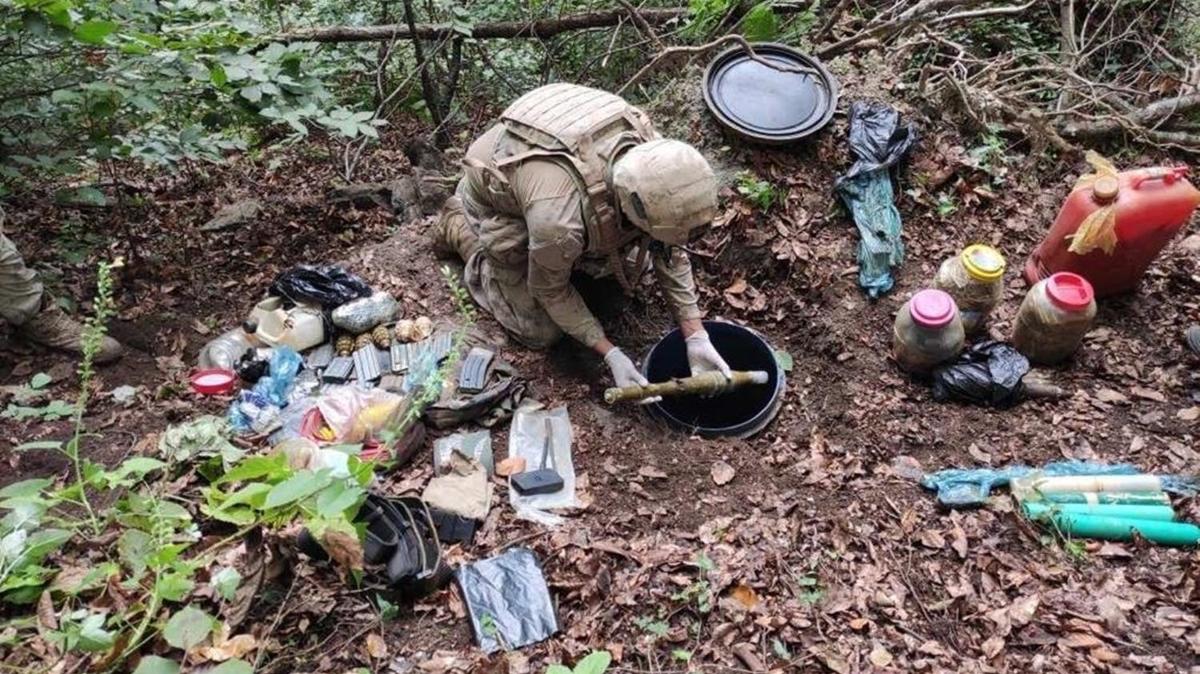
(667,189)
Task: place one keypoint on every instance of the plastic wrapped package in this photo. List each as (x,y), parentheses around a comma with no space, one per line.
(989,373)
(879,141)
(508,601)
(355,414)
(970,487)
(329,287)
(477,446)
(362,315)
(527,439)
(258,410)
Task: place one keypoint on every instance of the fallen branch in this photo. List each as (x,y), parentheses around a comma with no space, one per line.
(539,29)
(1151,114)
(672,52)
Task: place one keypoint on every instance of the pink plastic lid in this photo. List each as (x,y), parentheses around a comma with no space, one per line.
(1070,291)
(932,308)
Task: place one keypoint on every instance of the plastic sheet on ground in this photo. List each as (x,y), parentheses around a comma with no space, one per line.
(989,373)
(527,440)
(879,141)
(968,487)
(508,601)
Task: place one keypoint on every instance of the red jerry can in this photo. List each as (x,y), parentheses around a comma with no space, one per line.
(1112,225)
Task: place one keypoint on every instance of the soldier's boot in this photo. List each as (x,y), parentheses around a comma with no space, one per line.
(53,328)
(452,234)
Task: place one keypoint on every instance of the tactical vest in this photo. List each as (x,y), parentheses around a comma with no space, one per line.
(583,129)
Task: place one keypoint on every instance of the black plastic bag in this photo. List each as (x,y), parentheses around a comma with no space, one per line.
(330,286)
(989,373)
(508,601)
(879,141)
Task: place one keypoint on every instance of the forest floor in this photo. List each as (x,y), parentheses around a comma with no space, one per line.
(822,552)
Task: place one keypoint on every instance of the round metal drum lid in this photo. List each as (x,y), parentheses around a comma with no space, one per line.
(766,104)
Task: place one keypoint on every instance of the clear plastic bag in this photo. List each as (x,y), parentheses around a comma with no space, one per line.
(527,439)
(356,415)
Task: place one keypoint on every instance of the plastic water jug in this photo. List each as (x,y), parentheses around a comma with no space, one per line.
(1054,316)
(928,331)
(975,279)
(1127,219)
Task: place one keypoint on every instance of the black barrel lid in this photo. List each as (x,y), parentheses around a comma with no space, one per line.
(768,105)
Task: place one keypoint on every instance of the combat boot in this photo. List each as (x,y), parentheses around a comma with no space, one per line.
(452,234)
(53,328)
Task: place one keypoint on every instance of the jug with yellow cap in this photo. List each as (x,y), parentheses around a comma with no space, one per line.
(975,279)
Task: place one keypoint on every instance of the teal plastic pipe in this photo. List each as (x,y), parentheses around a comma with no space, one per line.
(1120,529)
(1160,513)
(1103,497)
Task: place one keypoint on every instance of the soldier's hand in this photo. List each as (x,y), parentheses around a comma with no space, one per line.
(703,357)
(625,373)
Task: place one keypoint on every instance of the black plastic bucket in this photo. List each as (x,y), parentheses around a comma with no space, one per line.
(738,414)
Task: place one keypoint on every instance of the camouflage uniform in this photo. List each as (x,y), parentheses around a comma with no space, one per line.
(533,206)
(20,291)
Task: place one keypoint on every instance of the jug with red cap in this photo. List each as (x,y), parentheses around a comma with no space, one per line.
(928,331)
(1054,316)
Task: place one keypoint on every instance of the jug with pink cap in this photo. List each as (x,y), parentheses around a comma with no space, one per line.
(928,332)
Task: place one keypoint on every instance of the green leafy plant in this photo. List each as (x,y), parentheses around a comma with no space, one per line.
(700,591)
(596,662)
(760,24)
(759,192)
(946,205)
(431,381)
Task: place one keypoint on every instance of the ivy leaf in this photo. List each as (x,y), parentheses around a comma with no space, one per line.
(216,73)
(134,548)
(153,664)
(256,467)
(785,360)
(94,32)
(26,488)
(594,663)
(303,484)
(226,582)
(174,586)
(93,638)
(188,628)
(39,381)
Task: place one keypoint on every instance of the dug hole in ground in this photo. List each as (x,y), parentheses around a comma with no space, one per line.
(806,547)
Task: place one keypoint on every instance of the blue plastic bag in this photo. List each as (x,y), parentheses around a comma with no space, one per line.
(879,142)
(257,410)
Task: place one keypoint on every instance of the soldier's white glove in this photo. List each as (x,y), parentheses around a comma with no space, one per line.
(625,373)
(703,357)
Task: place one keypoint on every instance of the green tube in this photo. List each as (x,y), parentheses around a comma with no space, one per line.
(1120,529)
(1160,513)
(1102,497)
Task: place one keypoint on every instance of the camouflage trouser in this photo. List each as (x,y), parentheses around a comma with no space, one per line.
(20,291)
(496,271)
